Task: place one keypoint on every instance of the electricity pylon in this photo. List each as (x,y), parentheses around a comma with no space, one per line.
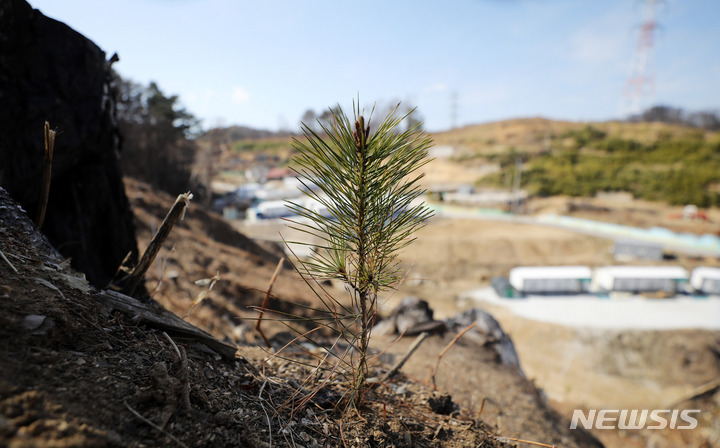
(641,83)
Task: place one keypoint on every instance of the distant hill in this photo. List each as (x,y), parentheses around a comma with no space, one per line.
(531,135)
(234,133)
(656,161)
(652,160)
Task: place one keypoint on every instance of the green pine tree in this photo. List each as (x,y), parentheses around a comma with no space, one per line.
(368,181)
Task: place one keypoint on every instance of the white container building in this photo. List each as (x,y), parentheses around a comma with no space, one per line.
(705,280)
(640,279)
(548,280)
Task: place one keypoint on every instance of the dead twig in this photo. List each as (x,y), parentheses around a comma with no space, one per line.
(529,442)
(209,283)
(154,426)
(177,350)
(342,435)
(47,173)
(700,390)
(267,417)
(482,406)
(2,255)
(447,347)
(176,212)
(267,299)
(401,362)
(182,356)
(185,380)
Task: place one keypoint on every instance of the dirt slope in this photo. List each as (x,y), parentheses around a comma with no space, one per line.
(242,283)
(72,373)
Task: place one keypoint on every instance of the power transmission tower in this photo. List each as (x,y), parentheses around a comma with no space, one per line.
(640,83)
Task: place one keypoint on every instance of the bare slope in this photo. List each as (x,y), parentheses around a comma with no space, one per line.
(245,275)
(72,373)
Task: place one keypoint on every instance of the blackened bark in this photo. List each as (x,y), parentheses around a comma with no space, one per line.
(50,72)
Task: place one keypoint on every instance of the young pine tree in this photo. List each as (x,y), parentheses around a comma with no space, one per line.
(368,182)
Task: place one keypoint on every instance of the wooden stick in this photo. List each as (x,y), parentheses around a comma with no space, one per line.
(47,174)
(267,299)
(185,380)
(158,317)
(176,212)
(401,362)
(447,347)
(482,406)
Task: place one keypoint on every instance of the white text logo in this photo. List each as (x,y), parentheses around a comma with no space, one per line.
(635,419)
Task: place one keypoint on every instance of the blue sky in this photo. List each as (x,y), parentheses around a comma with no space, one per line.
(263,63)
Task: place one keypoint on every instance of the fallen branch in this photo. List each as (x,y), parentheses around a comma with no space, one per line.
(447,347)
(176,212)
(401,362)
(158,317)
(267,300)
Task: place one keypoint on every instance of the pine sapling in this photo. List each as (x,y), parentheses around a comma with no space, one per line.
(366,184)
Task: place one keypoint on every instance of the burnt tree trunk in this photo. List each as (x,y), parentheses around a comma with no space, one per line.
(50,72)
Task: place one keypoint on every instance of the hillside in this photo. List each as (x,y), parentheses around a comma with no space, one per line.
(200,247)
(58,341)
(198,254)
(653,161)
(577,369)
(75,372)
(531,134)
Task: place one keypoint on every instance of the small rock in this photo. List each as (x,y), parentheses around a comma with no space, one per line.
(487,332)
(411,317)
(412,311)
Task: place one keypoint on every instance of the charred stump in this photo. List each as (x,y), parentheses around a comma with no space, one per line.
(49,72)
